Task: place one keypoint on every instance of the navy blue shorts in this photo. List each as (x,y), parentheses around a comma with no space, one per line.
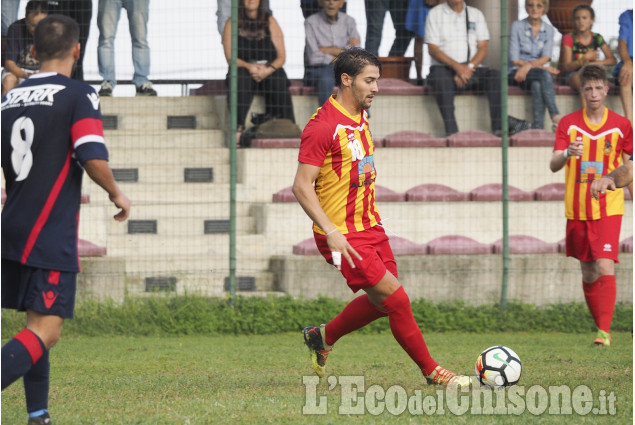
(45,291)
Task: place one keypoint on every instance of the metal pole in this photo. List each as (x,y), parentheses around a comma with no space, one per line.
(505,134)
(231,140)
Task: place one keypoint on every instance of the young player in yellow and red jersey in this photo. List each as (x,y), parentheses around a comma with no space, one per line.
(591,143)
(335,185)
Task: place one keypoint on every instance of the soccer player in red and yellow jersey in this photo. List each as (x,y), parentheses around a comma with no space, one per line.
(591,143)
(335,185)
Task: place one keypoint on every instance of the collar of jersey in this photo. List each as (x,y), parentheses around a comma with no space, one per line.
(43,75)
(357,118)
(595,127)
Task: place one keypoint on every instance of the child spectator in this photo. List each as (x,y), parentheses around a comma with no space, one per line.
(530,48)
(261,54)
(623,72)
(328,32)
(581,46)
(19,62)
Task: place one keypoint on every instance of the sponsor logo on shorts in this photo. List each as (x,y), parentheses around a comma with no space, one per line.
(608,247)
(49,298)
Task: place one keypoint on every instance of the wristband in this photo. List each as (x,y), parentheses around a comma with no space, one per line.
(271,66)
(332,231)
(566,153)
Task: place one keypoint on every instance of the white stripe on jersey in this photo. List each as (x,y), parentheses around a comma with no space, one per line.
(87,139)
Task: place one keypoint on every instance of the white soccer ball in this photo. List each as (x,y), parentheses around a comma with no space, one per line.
(498,366)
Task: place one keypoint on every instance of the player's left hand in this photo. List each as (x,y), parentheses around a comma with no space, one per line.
(601,185)
(121,201)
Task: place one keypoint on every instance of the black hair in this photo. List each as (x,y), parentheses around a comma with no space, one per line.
(37,6)
(352,61)
(253,25)
(584,7)
(54,36)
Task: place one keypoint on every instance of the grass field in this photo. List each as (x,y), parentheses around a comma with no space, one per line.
(259,379)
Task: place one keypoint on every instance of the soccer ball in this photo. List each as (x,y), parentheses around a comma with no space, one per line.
(498,367)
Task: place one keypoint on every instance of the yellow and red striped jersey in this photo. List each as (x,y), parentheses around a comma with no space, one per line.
(603,145)
(342,146)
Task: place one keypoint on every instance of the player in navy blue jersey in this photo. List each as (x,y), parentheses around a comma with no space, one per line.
(51,132)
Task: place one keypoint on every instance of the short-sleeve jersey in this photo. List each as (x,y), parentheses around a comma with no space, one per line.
(342,146)
(51,125)
(603,145)
(19,42)
(452,32)
(577,48)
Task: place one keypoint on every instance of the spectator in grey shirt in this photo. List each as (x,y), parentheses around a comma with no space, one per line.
(328,32)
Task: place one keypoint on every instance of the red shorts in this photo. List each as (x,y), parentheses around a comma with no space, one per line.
(45,291)
(592,239)
(377,257)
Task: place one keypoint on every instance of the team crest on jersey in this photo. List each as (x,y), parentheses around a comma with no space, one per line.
(366,165)
(32,95)
(591,167)
(607,146)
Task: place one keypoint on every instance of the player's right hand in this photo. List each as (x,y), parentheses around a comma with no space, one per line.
(337,242)
(121,201)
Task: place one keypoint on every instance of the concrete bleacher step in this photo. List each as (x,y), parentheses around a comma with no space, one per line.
(129,120)
(184,226)
(205,210)
(164,105)
(133,155)
(170,193)
(132,113)
(162,139)
(204,283)
(164,246)
(186,173)
(401,169)
(421,222)
(245,265)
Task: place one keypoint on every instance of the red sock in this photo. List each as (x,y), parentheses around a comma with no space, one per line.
(591,295)
(607,293)
(358,313)
(406,331)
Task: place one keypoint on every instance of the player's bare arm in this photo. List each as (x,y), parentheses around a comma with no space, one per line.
(622,176)
(560,158)
(305,194)
(99,171)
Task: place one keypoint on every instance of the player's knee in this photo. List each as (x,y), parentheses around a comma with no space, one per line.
(398,300)
(606,268)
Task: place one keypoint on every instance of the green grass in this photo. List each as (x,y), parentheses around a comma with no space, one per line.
(257,379)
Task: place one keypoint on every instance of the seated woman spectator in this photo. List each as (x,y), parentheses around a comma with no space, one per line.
(581,47)
(19,62)
(261,54)
(530,48)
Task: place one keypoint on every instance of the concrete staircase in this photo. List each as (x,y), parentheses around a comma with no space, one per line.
(171,159)
(169,156)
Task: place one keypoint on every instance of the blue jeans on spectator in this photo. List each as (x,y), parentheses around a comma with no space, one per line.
(322,78)
(543,95)
(9,14)
(107,20)
(375,13)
